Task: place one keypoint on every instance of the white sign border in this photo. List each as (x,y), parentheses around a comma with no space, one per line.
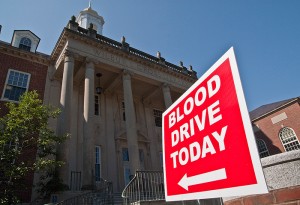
(258,188)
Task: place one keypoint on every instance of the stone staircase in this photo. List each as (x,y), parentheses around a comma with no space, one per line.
(118,200)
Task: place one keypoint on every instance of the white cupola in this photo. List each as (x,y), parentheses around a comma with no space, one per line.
(88,16)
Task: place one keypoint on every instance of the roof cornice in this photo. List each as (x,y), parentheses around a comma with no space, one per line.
(276,109)
(37,57)
(118,48)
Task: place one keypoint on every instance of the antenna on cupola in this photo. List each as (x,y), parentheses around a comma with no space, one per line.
(89,16)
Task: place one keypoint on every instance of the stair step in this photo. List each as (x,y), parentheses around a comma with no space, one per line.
(118,200)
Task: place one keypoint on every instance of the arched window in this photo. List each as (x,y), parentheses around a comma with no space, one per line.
(262,148)
(289,139)
(25,44)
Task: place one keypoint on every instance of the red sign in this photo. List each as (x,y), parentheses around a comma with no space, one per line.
(208,142)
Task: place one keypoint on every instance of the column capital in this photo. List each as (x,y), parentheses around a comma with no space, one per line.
(89,65)
(89,60)
(127,74)
(147,103)
(166,85)
(68,53)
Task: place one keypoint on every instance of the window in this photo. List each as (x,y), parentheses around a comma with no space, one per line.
(16,84)
(126,167)
(125,154)
(97,163)
(25,44)
(123,111)
(142,159)
(262,148)
(157,117)
(127,175)
(97,103)
(289,139)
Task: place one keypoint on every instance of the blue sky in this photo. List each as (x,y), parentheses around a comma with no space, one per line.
(264,33)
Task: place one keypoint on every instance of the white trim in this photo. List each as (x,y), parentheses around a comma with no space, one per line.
(294,135)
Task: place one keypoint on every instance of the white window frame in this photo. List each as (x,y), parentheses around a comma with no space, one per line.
(6,84)
(291,142)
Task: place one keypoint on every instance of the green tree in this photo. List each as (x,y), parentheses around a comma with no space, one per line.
(23,130)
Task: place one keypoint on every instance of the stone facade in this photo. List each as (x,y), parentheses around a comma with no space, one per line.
(121,122)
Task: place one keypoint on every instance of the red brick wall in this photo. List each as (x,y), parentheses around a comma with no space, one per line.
(288,196)
(37,82)
(269,131)
(37,79)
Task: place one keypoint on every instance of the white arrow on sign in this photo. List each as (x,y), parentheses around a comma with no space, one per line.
(211,176)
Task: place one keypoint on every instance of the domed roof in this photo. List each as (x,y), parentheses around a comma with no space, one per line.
(90,10)
(89,16)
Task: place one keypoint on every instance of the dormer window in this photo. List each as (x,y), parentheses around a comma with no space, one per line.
(25,44)
(25,40)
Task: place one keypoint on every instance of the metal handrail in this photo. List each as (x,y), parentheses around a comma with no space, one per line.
(145,186)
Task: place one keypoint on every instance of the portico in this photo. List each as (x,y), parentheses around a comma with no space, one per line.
(124,135)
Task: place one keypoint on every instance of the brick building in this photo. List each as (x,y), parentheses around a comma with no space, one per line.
(277,126)
(22,69)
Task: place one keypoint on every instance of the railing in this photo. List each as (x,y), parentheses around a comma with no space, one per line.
(145,186)
(108,41)
(133,51)
(102,194)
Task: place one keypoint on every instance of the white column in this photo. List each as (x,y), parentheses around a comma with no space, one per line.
(73,141)
(131,130)
(167,95)
(64,122)
(154,155)
(88,137)
(111,143)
